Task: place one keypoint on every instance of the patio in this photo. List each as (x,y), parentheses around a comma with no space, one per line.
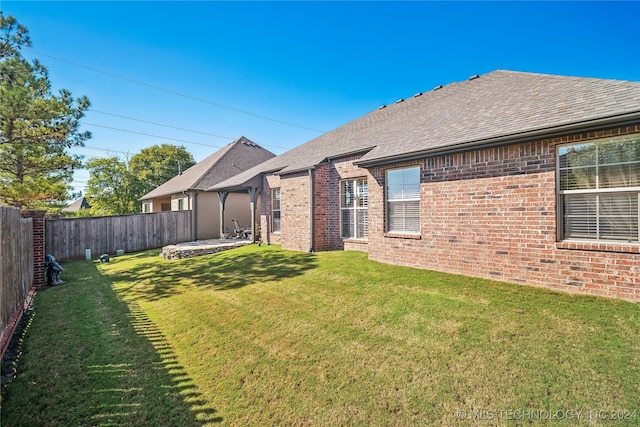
(201,247)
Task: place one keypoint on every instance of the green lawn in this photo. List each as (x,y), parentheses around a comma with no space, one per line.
(261,336)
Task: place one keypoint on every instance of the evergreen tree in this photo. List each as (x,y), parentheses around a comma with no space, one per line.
(37,127)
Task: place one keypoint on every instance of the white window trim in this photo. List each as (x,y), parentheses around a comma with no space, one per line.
(355,209)
(387,201)
(273,209)
(597,191)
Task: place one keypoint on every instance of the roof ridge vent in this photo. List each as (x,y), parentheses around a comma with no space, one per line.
(400,100)
(417,94)
(437,87)
(475,76)
(381,107)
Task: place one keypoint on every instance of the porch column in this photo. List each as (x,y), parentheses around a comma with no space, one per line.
(222,195)
(253,195)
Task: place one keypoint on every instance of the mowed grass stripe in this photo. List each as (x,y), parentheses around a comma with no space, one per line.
(263,336)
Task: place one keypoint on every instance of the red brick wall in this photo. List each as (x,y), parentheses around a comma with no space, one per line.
(324,199)
(39,270)
(491,213)
(488,213)
(295,208)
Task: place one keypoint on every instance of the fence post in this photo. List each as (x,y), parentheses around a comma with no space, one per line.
(39,229)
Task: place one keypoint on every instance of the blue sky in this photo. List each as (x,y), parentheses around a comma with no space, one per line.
(282,73)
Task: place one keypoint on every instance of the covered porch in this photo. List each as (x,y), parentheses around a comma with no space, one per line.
(252,230)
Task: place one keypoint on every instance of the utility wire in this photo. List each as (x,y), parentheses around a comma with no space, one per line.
(108,150)
(162,124)
(173,92)
(178,128)
(151,135)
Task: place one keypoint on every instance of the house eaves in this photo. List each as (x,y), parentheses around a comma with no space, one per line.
(242,181)
(519,137)
(328,159)
(493,108)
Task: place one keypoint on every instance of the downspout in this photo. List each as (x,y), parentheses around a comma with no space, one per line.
(311,211)
(194,215)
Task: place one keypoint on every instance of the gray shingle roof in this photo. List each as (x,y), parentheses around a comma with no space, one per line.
(78,204)
(497,104)
(238,156)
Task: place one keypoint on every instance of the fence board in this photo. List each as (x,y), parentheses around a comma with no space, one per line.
(68,238)
(16,265)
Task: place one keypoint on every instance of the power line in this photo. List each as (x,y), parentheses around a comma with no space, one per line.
(108,150)
(151,135)
(162,124)
(178,128)
(173,92)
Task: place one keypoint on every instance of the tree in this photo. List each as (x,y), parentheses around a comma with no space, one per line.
(36,127)
(115,186)
(110,188)
(157,164)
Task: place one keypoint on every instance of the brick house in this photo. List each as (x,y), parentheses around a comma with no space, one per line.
(519,177)
(186,191)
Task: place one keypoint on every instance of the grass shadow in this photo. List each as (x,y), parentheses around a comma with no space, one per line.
(155,278)
(92,359)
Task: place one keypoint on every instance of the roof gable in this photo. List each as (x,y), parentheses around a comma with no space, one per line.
(238,156)
(78,204)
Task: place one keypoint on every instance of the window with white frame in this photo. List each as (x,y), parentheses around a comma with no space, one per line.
(599,189)
(354,208)
(275,210)
(180,204)
(403,200)
(146,207)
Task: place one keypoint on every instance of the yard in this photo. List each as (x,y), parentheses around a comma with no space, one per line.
(263,336)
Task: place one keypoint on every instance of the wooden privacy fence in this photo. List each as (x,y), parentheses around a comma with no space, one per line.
(69,238)
(16,267)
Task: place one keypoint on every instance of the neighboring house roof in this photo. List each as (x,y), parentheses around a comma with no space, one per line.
(236,157)
(81,203)
(500,106)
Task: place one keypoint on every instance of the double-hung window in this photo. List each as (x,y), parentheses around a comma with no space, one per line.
(403,200)
(275,210)
(354,208)
(599,190)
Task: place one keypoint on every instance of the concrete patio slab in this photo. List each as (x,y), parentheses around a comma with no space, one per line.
(201,247)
